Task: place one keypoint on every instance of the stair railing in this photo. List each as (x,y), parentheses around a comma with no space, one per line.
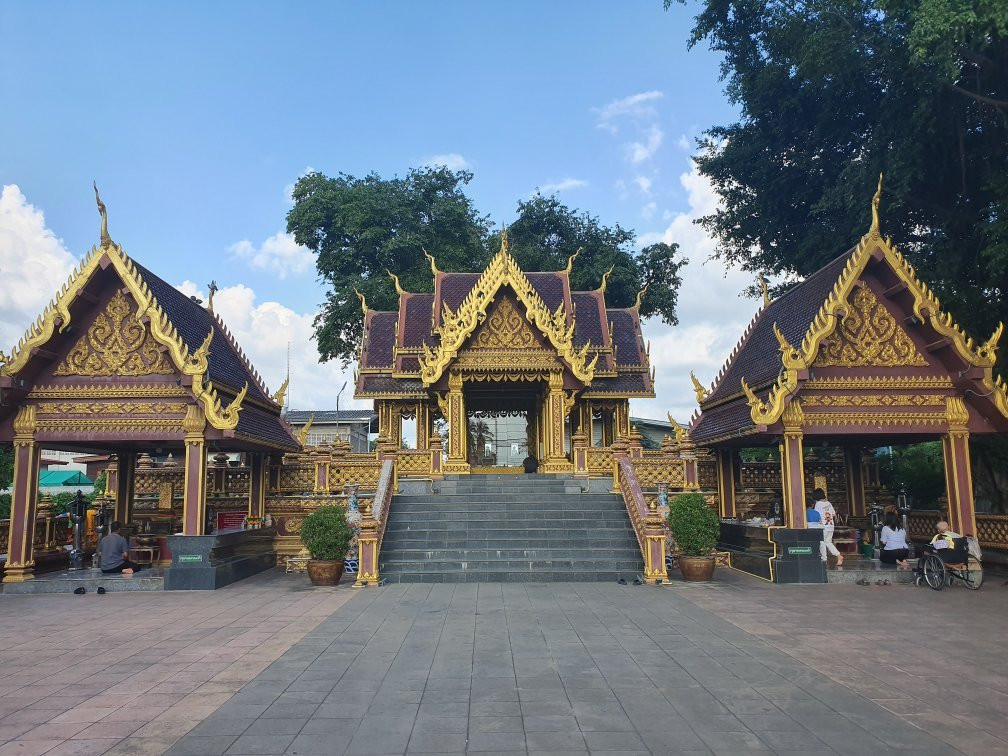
(646,521)
(374,518)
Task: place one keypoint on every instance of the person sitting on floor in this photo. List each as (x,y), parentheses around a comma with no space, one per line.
(895,549)
(114,551)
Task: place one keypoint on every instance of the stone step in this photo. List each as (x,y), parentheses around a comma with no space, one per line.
(424,542)
(537,576)
(507,565)
(477,554)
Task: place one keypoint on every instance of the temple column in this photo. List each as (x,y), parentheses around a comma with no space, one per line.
(257,484)
(556,460)
(608,423)
(194,493)
(389,428)
(119,479)
(727,465)
(621,419)
(854,473)
(792,454)
(20,551)
(423,426)
(458,431)
(958,474)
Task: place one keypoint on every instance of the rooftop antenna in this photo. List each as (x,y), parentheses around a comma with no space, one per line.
(288,375)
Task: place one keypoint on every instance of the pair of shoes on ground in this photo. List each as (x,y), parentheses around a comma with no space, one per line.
(639,580)
(82,590)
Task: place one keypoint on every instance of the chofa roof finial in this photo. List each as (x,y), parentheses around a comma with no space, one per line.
(433,265)
(571,259)
(874,230)
(106,240)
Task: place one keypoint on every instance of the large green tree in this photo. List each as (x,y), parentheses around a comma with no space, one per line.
(359,227)
(833,92)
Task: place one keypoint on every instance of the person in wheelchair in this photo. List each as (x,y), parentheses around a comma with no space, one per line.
(948,545)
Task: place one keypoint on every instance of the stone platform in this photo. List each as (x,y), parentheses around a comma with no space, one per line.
(869,569)
(69,580)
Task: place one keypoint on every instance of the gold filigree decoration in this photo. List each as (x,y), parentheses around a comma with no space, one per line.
(504,329)
(116,344)
(106,392)
(456,326)
(869,335)
(874,400)
(956,412)
(302,435)
(887,382)
(874,419)
(281,395)
(111,408)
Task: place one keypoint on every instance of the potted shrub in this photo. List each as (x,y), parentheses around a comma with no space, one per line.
(695,528)
(327,536)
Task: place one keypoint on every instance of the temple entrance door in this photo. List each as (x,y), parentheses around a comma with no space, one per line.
(501,426)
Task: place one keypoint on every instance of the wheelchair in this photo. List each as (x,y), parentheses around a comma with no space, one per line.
(958,565)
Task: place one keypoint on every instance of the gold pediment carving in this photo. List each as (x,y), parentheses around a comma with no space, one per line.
(116,343)
(506,328)
(868,335)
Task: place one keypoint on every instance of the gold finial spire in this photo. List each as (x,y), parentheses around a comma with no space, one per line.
(571,259)
(433,265)
(640,297)
(874,230)
(504,242)
(701,392)
(213,290)
(395,280)
(765,289)
(363,302)
(605,279)
(106,240)
(302,434)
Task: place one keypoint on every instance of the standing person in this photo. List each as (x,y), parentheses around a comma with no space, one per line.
(114,550)
(895,549)
(828,515)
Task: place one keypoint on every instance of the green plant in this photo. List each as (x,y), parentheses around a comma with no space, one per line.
(327,534)
(693,524)
(5,506)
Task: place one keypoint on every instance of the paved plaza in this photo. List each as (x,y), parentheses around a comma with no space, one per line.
(272,666)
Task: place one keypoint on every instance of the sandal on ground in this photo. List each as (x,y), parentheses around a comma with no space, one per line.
(886,582)
(862,581)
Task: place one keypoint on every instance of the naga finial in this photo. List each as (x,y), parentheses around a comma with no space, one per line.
(302,435)
(504,248)
(571,259)
(106,240)
(363,302)
(213,290)
(433,265)
(395,280)
(281,395)
(605,278)
(701,392)
(765,289)
(874,230)
(640,297)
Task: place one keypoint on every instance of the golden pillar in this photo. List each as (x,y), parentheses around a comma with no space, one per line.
(389,428)
(553,434)
(458,430)
(20,551)
(792,454)
(194,493)
(621,418)
(958,474)
(423,424)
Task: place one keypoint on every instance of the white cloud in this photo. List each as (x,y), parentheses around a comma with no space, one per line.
(638,152)
(278,254)
(34,263)
(643,183)
(288,190)
(263,330)
(648,210)
(636,106)
(683,143)
(561,186)
(450,160)
(712,315)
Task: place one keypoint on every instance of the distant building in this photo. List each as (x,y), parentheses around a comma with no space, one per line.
(352,426)
(654,431)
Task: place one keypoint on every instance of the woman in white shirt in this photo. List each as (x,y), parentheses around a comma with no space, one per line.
(895,549)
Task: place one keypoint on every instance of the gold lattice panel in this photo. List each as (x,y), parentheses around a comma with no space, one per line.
(992,531)
(599,460)
(297,478)
(362,474)
(650,472)
(413,463)
(707,474)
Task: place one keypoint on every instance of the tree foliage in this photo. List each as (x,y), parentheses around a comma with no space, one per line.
(360,227)
(920,468)
(6,465)
(833,92)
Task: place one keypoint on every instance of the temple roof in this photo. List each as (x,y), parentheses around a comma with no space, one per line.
(233,395)
(404,352)
(779,355)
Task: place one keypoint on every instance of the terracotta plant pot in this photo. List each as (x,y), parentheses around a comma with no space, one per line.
(325,572)
(696,568)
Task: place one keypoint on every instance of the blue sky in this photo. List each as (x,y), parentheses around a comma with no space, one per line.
(196,118)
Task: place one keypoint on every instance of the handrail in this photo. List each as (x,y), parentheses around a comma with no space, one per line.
(372,526)
(646,522)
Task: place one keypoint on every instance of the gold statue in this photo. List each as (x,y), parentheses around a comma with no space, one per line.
(281,395)
(106,240)
(302,434)
(701,392)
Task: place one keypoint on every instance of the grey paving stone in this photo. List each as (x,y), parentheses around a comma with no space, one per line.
(441,725)
(440,743)
(247,745)
(213,745)
(216,725)
(479,725)
(318,745)
(495,709)
(497,741)
(614,741)
(330,726)
(276,726)
(555,741)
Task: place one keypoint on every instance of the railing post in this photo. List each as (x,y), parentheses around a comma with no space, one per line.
(579,448)
(434,445)
(619,451)
(372,527)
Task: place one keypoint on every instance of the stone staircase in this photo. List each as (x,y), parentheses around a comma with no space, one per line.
(508,528)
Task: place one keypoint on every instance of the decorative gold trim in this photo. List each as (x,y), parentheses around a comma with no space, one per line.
(106,392)
(874,400)
(457,326)
(879,382)
(876,418)
(110,424)
(110,408)
(281,395)
(302,435)
(701,392)
(956,412)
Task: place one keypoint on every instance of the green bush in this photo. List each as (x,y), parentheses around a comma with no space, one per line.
(327,534)
(5,506)
(693,524)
